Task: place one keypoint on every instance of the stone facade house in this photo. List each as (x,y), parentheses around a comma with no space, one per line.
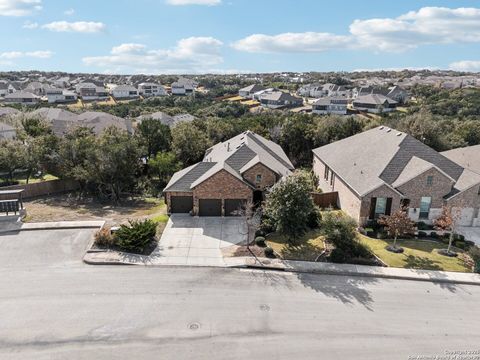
(382,170)
(233,172)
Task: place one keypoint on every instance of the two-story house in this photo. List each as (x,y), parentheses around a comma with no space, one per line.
(382,170)
(330,105)
(232,173)
(151,89)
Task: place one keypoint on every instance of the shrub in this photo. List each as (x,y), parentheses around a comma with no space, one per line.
(434,235)
(103,238)
(135,236)
(338,256)
(446,236)
(260,233)
(339,230)
(458,237)
(269,252)
(314,218)
(260,241)
(460,244)
(445,240)
(422,226)
(422,234)
(382,234)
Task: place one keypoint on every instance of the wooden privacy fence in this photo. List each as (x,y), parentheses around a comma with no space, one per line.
(43,188)
(326,200)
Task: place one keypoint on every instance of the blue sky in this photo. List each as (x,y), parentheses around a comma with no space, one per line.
(224,36)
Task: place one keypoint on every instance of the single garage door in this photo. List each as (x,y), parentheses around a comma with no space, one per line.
(210,207)
(233,205)
(181,204)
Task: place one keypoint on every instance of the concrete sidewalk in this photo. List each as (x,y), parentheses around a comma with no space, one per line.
(117,258)
(6,228)
(365,271)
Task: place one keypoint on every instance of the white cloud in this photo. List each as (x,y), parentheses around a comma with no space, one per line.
(429,25)
(194,2)
(69,12)
(191,54)
(30,25)
(292,42)
(19,7)
(78,26)
(40,54)
(466,65)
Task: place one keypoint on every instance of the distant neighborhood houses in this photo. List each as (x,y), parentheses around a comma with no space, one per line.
(70,90)
(327,98)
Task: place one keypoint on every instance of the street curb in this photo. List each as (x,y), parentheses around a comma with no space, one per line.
(364,274)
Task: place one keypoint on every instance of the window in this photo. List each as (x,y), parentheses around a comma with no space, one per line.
(479,191)
(429,180)
(380,207)
(405,204)
(425,204)
(327,171)
(332,179)
(258,179)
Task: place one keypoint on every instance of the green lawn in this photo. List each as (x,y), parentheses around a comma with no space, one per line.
(309,246)
(417,255)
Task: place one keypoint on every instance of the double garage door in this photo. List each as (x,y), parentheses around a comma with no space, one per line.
(213,207)
(207,207)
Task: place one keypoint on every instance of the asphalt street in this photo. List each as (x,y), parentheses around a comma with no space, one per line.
(52,306)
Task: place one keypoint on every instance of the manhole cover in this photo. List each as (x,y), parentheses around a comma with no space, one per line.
(264,307)
(194,326)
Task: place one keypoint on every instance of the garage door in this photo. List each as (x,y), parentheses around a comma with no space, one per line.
(181,204)
(233,205)
(210,207)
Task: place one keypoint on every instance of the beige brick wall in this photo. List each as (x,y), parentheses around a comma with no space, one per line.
(382,191)
(222,185)
(269,178)
(348,201)
(416,188)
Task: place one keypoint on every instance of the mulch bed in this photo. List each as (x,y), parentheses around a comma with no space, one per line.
(254,249)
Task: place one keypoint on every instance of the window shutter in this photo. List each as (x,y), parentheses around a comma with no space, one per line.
(388,210)
(373,205)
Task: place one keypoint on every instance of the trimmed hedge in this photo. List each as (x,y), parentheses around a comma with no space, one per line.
(136,235)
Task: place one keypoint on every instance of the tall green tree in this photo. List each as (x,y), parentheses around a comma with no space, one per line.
(115,164)
(289,205)
(154,136)
(189,143)
(12,158)
(164,165)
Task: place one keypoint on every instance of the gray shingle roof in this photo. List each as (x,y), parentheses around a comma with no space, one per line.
(182,180)
(374,99)
(235,156)
(468,157)
(382,156)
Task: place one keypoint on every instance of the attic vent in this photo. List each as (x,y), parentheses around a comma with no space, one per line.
(381,127)
(389,130)
(399,134)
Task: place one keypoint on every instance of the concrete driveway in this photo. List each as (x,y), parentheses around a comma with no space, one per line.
(198,241)
(470,233)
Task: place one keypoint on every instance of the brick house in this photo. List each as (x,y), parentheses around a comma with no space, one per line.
(233,172)
(381,170)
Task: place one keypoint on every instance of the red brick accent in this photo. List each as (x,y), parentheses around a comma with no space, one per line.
(222,185)
(269,178)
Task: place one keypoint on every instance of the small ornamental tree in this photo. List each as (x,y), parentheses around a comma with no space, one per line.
(397,224)
(448,222)
(290,204)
